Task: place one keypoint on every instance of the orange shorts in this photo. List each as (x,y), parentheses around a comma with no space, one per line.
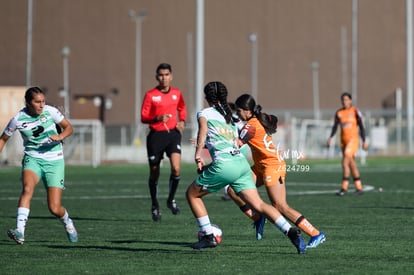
(349,149)
(269,175)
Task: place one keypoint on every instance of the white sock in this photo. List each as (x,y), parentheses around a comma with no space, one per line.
(282,224)
(226,189)
(205,225)
(65,219)
(21,219)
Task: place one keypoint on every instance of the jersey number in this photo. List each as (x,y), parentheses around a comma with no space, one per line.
(37,131)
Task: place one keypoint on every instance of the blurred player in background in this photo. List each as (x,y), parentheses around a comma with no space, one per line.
(42,160)
(164,110)
(269,169)
(218,132)
(350,119)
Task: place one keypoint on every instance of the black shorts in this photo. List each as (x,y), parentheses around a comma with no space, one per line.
(160,142)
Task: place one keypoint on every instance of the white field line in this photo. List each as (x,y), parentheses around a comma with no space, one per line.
(367,188)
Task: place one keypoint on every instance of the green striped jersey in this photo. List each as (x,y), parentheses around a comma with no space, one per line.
(221,137)
(36,131)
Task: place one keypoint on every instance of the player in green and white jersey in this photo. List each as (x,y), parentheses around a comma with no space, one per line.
(38,125)
(219,134)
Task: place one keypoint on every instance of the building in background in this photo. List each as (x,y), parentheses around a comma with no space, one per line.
(290,36)
(12,101)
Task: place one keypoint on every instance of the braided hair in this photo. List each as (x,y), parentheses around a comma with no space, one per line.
(269,122)
(216,95)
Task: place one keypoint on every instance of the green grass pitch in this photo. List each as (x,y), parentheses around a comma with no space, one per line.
(368,234)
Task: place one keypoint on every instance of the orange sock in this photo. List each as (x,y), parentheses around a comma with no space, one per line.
(306,226)
(358,184)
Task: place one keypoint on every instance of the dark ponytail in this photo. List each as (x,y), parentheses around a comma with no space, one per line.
(269,122)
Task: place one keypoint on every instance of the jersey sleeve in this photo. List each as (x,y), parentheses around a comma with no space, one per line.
(360,124)
(335,126)
(11,127)
(57,116)
(199,114)
(146,116)
(182,110)
(247,132)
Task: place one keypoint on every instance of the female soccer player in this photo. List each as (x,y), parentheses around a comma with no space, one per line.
(43,159)
(350,119)
(269,169)
(217,131)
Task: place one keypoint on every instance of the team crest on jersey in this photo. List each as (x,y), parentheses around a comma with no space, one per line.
(156,99)
(174,97)
(43,118)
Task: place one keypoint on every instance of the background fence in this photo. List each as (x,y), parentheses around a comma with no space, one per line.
(299,136)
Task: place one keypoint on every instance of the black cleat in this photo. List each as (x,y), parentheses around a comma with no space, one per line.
(205,242)
(341,192)
(172,205)
(156,214)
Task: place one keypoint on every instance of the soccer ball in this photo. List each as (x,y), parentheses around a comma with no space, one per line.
(216,231)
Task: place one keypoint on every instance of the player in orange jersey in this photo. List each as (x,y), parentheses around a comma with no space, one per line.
(217,131)
(350,119)
(269,168)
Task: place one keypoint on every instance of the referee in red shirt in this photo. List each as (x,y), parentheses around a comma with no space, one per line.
(164,110)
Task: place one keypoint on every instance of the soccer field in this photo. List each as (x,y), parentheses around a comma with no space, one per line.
(110,205)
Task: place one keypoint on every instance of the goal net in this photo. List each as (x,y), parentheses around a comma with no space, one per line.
(85,145)
(309,136)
